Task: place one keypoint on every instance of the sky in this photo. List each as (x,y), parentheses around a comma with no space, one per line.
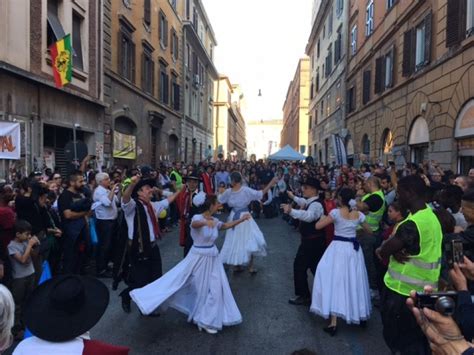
(259,45)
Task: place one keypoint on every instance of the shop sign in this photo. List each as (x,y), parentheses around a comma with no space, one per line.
(10,143)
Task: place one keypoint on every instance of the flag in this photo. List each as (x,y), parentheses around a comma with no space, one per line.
(61,57)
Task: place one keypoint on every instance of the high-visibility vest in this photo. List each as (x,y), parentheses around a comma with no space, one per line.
(179,179)
(422,269)
(373,218)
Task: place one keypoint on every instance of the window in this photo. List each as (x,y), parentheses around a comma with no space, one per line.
(459,21)
(310,124)
(329,61)
(163,30)
(311,90)
(354,40)
(390,4)
(338,47)
(164,84)
(174,45)
(148,70)
(196,20)
(389,69)
(417,46)
(369,18)
(339,7)
(351,99)
(147,12)
(188,9)
(322,108)
(174,4)
(126,65)
(328,105)
(55,30)
(330,22)
(175,94)
(366,87)
(187,56)
(318,50)
(384,71)
(324,31)
(77,60)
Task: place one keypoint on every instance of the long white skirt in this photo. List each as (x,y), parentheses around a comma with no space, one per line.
(341,285)
(245,240)
(197,287)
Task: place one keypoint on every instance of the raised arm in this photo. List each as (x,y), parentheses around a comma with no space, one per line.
(270,185)
(127,195)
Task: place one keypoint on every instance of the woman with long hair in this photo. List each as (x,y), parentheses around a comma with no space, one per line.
(198,285)
(341,286)
(245,241)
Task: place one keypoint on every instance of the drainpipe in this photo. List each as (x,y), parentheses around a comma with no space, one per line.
(217,119)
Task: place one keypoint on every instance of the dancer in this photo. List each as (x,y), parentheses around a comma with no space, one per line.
(341,285)
(313,241)
(245,241)
(198,285)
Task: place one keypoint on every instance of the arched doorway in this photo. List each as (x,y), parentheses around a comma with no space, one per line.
(173,148)
(387,146)
(419,140)
(125,141)
(464,135)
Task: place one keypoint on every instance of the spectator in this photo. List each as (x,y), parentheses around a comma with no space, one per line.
(7,320)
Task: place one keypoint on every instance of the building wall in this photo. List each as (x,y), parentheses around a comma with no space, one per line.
(263,137)
(327,102)
(436,92)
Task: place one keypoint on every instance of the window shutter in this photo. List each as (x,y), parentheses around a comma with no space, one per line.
(379,68)
(143,73)
(453,25)
(120,53)
(349,100)
(354,97)
(152,76)
(167,89)
(407,53)
(166,33)
(428,21)
(147,15)
(132,62)
(366,92)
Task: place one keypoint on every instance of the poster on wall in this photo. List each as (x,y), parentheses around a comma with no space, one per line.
(125,146)
(10,143)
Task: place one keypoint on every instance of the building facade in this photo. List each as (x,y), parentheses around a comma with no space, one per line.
(229,124)
(408,84)
(295,110)
(263,137)
(143,81)
(199,74)
(327,49)
(49,116)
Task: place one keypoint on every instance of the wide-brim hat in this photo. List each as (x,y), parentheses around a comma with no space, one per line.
(313,182)
(65,307)
(140,184)
(192,176)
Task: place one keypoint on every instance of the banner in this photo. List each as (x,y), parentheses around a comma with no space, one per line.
(339,149)
(125,146)
(10,143)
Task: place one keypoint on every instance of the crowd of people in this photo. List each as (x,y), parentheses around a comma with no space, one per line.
(370,235)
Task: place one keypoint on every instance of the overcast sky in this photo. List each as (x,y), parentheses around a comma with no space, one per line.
(259,44)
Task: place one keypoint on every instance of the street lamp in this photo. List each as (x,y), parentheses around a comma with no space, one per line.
(75,127)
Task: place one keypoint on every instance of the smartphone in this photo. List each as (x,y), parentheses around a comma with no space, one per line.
(454,252)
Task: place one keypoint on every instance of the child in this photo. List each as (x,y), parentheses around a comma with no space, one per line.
(23,272)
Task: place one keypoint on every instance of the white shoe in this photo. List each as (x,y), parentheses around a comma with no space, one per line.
(208,330)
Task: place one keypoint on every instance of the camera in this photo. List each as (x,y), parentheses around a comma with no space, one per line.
(442,302)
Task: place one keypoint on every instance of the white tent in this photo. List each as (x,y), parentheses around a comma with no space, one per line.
(287,153)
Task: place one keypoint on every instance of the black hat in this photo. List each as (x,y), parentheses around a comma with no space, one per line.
(146,171)
(311,181)
(140,184)
(192,176)
(65,307)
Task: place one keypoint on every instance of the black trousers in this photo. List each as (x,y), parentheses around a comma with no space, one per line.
(74,252)
(106,229)
(401,332)
(143,272)
(308,256)
(188,242)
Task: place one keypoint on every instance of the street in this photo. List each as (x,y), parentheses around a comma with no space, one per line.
(270,324)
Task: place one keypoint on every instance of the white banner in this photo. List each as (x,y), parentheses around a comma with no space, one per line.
(339,149)
(10,142)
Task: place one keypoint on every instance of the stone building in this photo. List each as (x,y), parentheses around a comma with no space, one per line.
(263,137)
(143,80)
(229,124)
(409,84)
(327,49)
(295,110)
(48,115)
(199,74)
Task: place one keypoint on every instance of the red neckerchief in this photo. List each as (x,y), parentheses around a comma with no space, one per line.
(154,221)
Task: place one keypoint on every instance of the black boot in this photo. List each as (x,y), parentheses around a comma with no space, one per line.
(126,303)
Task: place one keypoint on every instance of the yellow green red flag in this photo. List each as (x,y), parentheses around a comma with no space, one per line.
(61,56)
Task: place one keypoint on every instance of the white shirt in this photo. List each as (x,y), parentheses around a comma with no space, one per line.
(37,346)
(104,208)
(129,212)
(312,214)
(269,198)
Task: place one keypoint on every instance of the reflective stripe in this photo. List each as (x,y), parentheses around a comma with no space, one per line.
(423,265)
(411,281)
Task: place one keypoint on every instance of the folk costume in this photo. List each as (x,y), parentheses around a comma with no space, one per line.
(246,239)
(208,183)
(143,232)
(197,286)
(60,312)
(313,242)
(187,209)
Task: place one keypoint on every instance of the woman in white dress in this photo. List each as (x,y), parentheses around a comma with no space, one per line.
(341,286)
(246,240)
(198,285)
